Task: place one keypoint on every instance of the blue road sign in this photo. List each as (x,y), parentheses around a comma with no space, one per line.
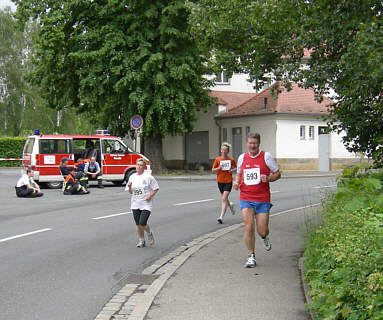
(136,122)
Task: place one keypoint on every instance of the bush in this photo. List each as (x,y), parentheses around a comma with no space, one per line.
(11,147)
(344,255)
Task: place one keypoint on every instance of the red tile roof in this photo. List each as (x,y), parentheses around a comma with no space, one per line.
(297,101)
(231,99)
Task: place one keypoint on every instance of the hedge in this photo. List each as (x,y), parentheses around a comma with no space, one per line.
(344,255)
(11,147)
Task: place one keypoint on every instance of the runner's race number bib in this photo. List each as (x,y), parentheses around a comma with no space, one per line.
(225,165)
(252,176)
(138,193)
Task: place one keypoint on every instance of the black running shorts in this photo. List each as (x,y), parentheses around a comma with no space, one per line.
(225,186)
(141,217)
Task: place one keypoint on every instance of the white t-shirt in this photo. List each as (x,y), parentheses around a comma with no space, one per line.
(25,180)
(270,162)
(142,186)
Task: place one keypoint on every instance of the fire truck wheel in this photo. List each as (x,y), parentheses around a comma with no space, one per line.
(54,185)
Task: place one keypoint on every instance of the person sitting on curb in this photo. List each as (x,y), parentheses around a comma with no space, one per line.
(93,171)
(26,187)
(72,186)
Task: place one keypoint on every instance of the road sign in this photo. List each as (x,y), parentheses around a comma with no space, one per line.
(136,122)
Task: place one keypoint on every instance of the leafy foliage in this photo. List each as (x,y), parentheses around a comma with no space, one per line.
(115,59)
(268,40)
(344,256)
(21,107)
(11,147)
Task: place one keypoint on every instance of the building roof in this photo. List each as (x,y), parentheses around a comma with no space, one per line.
(296,101)
(231,99)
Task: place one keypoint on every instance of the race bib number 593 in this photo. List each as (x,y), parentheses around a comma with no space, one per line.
(252,176)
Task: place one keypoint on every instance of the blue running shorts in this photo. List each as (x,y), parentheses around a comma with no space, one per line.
(259,207)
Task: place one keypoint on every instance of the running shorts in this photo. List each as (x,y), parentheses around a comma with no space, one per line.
(141,217)
(259,207)
(225,186)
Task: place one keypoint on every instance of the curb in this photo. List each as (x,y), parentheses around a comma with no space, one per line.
(305,287)
(134,300)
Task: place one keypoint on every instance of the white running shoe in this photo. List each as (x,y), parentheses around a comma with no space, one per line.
(266,243)
(150,238)
(251,262)
(141,243)
(231,207)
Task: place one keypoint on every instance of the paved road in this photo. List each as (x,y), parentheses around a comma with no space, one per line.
(84,249)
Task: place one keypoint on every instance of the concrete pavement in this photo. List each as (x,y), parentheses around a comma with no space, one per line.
(206,278)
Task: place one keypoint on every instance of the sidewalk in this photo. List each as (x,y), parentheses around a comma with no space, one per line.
(207,280)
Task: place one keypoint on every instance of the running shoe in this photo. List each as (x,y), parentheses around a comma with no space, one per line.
(251,262)
(150,238)
(141,244)
(231,207)
(220,220)
(266,243)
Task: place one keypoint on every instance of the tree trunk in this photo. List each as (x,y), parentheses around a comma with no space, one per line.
(153,150)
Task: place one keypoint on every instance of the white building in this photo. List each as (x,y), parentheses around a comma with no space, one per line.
(291,125)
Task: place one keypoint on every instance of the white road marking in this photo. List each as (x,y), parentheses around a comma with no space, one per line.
(274,191)
(320,187)
(25,234)
(112,215)
(294,209)
(191,202)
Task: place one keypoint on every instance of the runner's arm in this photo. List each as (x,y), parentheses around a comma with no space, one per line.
(216,167)
(152,194)
(274,176)
(271,163)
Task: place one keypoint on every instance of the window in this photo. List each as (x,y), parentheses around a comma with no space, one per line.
(247,130)
(29,145)
(221,78)
(265,103)
(311,132)
(55,146)
(114,146)
(302,132)
(224,134)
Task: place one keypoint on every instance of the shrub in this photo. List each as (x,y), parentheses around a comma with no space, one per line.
(344,255)
(11,147)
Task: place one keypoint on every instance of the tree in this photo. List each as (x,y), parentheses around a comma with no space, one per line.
(268,39)
(21,107)
(114,59)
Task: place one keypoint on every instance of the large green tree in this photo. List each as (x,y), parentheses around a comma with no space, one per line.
(268,38)
(117,58)
(21,107)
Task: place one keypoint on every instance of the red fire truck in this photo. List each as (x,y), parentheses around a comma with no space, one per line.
(43,154)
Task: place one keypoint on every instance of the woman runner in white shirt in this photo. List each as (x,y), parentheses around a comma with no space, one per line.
(142,186)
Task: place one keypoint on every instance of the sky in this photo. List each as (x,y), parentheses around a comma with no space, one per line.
(5,3)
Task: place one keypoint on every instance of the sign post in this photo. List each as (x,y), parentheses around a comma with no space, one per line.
(136,123)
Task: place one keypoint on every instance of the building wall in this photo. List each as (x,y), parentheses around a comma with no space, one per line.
(288,141)
(264,125)
(293,153)
(237,83)
(174,147)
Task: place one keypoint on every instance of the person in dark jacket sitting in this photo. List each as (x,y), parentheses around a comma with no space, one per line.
(71,184)
(79,175)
